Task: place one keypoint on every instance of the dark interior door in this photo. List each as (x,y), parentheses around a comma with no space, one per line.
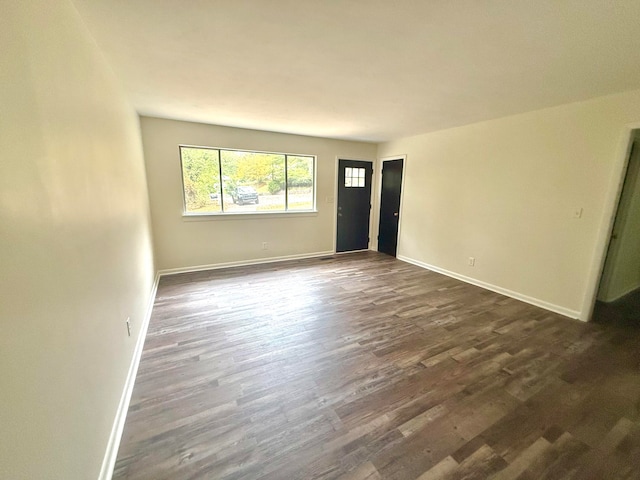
(390,206)
(354,205)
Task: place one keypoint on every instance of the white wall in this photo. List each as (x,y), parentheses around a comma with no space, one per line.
(184,242)
(622,270)
(505,192)
(75,245)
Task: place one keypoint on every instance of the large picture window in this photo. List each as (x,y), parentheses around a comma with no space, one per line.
(219,180)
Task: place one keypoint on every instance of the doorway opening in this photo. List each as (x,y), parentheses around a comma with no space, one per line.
(618,294)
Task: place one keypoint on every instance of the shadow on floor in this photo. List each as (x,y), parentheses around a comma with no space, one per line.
(625,311)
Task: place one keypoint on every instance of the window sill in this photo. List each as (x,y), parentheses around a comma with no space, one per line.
(205,217)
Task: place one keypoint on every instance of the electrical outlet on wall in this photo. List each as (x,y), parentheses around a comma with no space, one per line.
(265,245)
(472,261)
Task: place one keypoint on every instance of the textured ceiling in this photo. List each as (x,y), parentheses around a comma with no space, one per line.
(364,69)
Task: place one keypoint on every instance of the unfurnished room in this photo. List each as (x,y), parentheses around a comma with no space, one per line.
(320,240)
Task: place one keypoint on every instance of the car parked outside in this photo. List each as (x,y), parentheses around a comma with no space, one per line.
(245,194)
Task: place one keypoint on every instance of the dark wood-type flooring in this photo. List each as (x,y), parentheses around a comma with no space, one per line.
(364,367)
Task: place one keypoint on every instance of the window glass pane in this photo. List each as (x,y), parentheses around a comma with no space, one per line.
(354,177)
(231,181)
(300,182)
(252,181)
(201,180)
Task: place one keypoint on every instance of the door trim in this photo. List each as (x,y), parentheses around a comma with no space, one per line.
(605,230)
(378,198)
(336,172)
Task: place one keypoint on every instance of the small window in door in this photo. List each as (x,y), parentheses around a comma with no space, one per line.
(353,177)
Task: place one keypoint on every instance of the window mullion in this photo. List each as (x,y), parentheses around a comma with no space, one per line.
(220,177)
(286,184)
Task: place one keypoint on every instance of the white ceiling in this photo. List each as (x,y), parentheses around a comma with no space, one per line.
(364,69)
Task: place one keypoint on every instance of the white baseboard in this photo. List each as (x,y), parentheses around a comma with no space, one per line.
(243,263)
(109,461)
(494,288)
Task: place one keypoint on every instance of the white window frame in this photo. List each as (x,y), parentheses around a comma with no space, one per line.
(273,213)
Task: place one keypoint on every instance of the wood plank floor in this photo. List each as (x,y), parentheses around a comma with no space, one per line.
(364,367)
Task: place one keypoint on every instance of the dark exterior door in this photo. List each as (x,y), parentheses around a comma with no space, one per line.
(390,206)
(354,205)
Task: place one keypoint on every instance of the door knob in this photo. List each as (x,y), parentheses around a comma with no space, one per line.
(395,214)
(339,214)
